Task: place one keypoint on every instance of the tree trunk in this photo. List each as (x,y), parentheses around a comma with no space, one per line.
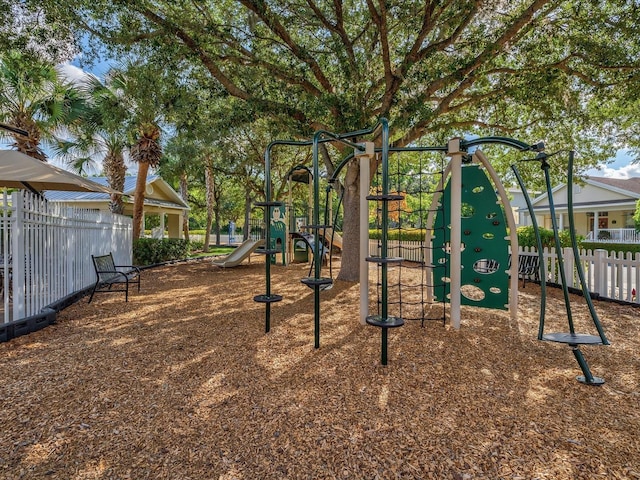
(115,171)
(350,263)
(208,179)
(216,216)
(184,193)
(30,144)
(138,199)
(217,193)
(246,231)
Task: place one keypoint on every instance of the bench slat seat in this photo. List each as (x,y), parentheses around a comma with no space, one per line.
(108,274)
(528,267)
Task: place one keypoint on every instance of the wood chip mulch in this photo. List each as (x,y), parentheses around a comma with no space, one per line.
(182,382)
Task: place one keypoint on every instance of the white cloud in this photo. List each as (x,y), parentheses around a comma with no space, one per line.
(71,72)
(621,167)
(625,171)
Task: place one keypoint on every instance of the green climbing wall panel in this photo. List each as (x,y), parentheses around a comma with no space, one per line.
(485,254)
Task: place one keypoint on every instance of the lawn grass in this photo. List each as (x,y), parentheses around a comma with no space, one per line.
(214,251)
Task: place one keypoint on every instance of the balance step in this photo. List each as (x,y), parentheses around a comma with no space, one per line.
(267,298)
(573,338)
(389,322)
(380,260)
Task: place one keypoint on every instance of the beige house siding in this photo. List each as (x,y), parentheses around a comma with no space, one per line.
(611,201)
(160,200)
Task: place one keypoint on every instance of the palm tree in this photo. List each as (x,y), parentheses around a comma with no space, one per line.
(146,152)
(143,90)
(102,134)
(34,98)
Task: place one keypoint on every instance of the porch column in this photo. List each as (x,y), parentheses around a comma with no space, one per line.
(560,222)
(174,224)
(596,222)
(162,223)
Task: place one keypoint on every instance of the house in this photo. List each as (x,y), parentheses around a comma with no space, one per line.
(519,206)
(160,200)
(603,209)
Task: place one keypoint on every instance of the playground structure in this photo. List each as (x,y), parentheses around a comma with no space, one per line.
(239,254)
(484,238)
(573,339)
(288,224)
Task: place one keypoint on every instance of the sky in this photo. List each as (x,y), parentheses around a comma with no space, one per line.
(620,168)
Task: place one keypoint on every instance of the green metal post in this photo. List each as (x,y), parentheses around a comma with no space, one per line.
(543,270)
(383,350)
(267,213)
(565,290)
(576,253)
(317,258)
(385,218)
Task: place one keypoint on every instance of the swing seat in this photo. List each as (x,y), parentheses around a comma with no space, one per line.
(573,338)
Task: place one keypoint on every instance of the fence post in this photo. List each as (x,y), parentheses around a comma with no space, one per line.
(569,266)
(600,271)
(18,252)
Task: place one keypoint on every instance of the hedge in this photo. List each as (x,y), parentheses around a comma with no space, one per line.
(611,247)
(404,234)
(149,251)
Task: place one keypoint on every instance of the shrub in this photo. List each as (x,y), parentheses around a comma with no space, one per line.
(149,251)
(195,246)
(527,238)
(611,247)
(405,234)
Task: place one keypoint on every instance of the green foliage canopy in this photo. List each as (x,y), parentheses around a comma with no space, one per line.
(534,68)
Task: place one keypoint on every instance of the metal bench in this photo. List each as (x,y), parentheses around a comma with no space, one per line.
(110,274)
(528,267)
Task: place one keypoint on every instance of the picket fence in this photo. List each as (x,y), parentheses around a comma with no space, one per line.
(615,276)
(48,248)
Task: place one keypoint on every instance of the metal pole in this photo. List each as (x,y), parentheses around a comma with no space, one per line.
(317,258)
(576,253)
(543,270)
(565,291)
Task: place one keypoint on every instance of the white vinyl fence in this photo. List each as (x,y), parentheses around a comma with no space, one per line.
(46,250)
(615,276)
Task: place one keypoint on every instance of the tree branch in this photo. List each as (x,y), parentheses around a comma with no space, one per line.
(260,9)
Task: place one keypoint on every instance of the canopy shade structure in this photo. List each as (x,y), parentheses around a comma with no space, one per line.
(18,170)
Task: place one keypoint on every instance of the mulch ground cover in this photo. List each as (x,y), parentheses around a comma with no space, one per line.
(182,382)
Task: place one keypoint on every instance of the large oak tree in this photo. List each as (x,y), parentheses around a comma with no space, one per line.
(531,68)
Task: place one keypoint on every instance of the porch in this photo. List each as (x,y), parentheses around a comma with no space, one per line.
(614,235)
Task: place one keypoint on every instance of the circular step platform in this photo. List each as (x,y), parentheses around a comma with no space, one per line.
(381,261)
(573,338)
(323,283)
(390,197)
(390,322)
(263,251)
(267,298)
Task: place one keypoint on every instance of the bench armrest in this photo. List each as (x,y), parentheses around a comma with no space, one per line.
(118,272)
(130,267)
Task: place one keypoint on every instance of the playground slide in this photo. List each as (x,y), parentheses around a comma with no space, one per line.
(307,238)
(236,257)
(329,236)
(333,237)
